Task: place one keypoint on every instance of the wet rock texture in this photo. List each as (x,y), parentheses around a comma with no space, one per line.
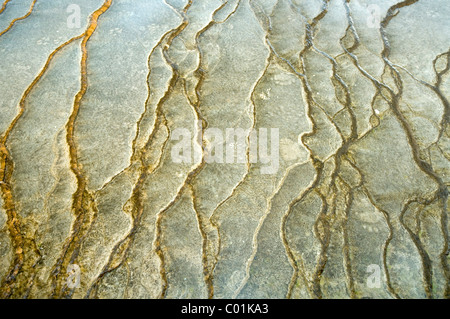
(359,90)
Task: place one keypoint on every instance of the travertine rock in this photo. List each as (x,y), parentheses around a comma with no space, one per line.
(224,149)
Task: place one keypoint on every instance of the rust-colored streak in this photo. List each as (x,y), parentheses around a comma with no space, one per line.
(17,19)
(6,171)
(82,199)
(4,6)
(75,166)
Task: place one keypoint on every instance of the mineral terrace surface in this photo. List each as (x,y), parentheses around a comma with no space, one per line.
(224,149)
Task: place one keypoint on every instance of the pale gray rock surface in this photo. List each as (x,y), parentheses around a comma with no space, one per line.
(119,120)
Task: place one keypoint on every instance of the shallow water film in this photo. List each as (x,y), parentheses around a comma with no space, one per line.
(224,149)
